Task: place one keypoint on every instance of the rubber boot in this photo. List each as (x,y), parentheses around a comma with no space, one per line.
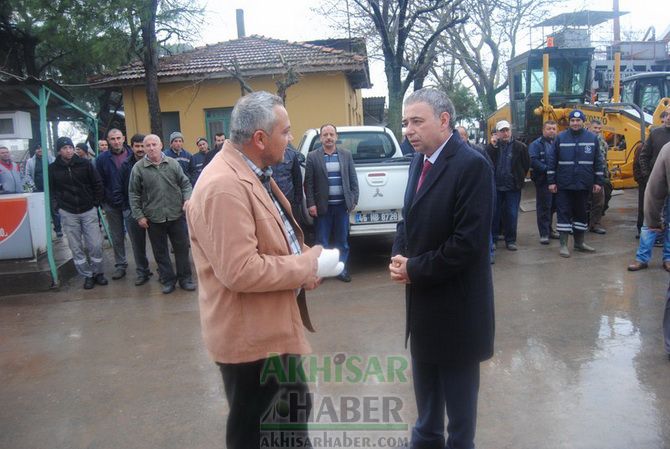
(563,237)
(580,245)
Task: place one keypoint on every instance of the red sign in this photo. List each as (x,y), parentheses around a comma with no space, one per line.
(12,213)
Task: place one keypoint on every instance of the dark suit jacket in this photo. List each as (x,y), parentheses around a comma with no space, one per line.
(445,234)
(316,180)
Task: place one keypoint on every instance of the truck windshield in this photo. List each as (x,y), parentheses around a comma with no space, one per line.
(365,146)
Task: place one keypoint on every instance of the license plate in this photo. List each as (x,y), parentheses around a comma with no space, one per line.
(382,216)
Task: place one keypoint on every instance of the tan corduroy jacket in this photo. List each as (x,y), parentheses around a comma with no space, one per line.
(247,276)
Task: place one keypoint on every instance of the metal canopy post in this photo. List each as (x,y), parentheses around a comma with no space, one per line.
(42,100)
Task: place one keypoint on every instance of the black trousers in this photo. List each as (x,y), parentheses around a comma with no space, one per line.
(258,397)
(158,235)
(454,388)
(572,210)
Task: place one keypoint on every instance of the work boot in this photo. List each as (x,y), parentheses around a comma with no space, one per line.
(563,237)
(580,245)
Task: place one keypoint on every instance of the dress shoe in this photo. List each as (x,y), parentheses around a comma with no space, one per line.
(168,288)
(143,279)
(637,266)
(598,230)
(511,246)
(344,277)
(187,285)
(666,265)
(89,283)
(100,279)
(544,240)
(118,273)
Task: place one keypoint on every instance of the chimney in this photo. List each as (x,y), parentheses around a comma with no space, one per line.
(240,22)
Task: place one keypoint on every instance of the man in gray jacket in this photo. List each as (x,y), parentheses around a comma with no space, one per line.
(331,191)
(657,198)
(157,192)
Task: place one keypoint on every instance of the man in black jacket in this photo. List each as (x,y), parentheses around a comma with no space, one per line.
(441,254)
(137,234)
(76,192)
(510,164)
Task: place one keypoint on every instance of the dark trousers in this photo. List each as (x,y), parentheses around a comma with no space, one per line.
(640,205)
(507,209)
(176,232)
(254,399)
(545,205)
(332,231)
(138,242)
(437,386)
(571,210)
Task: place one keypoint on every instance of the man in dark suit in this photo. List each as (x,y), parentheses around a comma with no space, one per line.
(331,193)
(441,253)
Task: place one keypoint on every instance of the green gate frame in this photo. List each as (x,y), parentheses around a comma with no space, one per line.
(42,101)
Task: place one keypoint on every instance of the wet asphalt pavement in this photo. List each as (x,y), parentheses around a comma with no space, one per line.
(579,359)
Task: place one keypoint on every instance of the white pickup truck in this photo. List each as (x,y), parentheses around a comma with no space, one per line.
(382,172)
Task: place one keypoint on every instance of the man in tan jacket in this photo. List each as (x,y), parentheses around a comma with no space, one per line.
(251,263)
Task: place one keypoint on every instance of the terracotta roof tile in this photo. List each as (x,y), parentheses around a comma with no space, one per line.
(255,55)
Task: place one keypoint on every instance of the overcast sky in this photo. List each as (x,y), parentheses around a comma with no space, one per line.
(294,20)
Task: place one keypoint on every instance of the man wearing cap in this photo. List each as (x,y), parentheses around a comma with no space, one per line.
(76,191)
(200,157)
(510,164)
(544,199)
(35,176)
(574,169)
(177,151)
(108,165)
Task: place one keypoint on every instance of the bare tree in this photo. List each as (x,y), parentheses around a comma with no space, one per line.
(482,46)
(155,23)
(391,26)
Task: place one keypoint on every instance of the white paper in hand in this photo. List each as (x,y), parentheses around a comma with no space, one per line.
(329,264)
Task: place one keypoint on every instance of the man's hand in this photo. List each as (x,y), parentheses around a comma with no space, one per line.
(597,188)
(184,206)
(313,281)
(398,270)
(143,223)
(552,188)
(312,211)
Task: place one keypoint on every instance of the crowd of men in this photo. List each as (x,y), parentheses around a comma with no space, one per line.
(252,264)
(571,179)
(141,189)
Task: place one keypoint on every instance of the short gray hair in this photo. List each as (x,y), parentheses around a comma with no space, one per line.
(251,113)
(437,100)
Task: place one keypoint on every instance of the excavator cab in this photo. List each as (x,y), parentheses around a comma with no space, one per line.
(646,90)
(569,84)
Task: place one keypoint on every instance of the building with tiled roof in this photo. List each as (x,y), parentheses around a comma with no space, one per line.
(197,88)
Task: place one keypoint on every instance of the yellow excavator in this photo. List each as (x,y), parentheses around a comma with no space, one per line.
(548,83)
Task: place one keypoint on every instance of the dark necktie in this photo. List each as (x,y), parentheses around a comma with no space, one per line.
(424,171)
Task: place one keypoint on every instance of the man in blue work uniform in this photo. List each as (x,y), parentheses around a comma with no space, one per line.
(575,168)
(177,151)
(544,199)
